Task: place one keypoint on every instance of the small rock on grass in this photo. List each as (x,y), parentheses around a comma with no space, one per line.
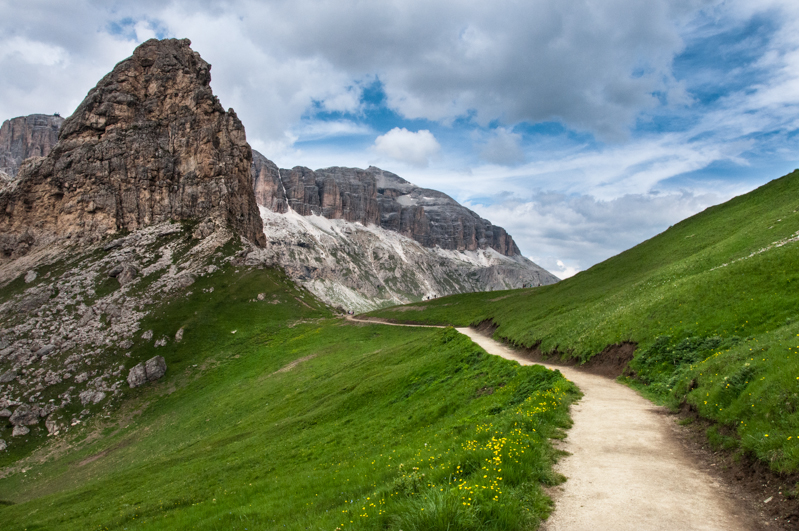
(19,431)
(3,445)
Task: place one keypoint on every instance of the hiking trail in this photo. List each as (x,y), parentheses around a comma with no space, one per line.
(626,471)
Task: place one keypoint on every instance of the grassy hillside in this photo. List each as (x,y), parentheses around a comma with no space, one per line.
(274,414)
(712,304)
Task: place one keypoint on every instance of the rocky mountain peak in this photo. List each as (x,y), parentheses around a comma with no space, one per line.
(27,136)
(150,143)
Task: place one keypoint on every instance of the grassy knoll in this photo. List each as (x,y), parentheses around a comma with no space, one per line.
(712,304)
(276,415)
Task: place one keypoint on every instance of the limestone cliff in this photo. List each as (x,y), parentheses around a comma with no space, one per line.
(377,197)
(364,239)
(27,136)
(150,143)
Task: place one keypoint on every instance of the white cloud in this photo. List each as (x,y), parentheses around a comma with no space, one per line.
(556,229)
(33,52)
(319,129)
(562,271)
(415,149)
(503,148)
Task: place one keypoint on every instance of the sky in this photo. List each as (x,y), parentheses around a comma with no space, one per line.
(582,127)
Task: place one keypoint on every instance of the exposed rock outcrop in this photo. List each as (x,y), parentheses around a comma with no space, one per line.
(24,137)
(377,197)
(150,143)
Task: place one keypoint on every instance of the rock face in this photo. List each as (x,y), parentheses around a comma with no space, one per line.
(150,143)
(362,268)
(377,197)
(25,137)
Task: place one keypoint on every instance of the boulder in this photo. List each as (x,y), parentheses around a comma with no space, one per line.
(116,271)
(155,368)
(148,371)
(45,351)
(52,426)
(185,280)
(127,275)
(8,376)
(19,431)
(24,415)
(5,413)
(137,376)
(90,397)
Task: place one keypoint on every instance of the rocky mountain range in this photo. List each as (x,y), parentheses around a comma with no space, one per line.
(151,143)
(381,198)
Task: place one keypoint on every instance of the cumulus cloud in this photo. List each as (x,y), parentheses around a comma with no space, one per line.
(581,230)
(415,149)
(594,66)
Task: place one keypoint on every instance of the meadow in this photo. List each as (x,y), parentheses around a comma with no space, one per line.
(276,414)
(711,303)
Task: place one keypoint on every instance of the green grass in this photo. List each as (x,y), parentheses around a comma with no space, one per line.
(699,295)
(300,420)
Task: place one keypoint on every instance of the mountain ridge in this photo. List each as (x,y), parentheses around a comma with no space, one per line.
(379,197)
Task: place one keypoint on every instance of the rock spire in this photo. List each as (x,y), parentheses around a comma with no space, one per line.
(150,143)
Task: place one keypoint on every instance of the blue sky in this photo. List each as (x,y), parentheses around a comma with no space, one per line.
(583,129)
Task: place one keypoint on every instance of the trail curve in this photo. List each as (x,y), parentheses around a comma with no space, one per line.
(625,471)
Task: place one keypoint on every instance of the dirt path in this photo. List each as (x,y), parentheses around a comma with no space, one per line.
(626,470)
